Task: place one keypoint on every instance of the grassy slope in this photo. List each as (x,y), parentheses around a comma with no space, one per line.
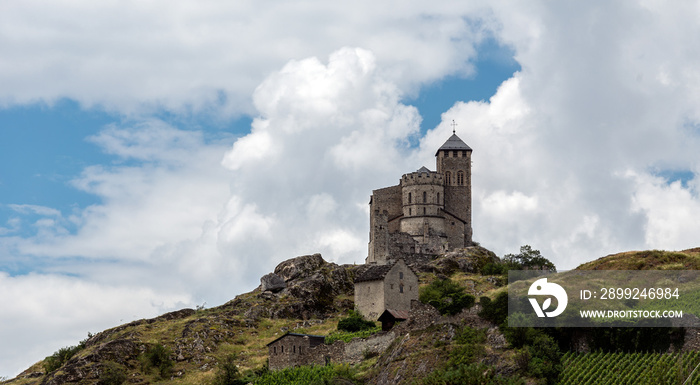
(647,260)
(208,336)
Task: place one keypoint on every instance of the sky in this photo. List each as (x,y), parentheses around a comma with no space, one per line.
(157,155)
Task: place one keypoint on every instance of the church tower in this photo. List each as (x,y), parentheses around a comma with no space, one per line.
(428,213)
(454,162)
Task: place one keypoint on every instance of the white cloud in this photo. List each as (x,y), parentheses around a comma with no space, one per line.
(562,152)
(42,313)
(145,205)
(34,209)
(211,55)
(671,211)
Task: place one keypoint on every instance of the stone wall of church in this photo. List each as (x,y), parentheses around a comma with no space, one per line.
(422,228)
(384,210)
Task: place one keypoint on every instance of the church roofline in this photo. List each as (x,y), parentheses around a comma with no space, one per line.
(453,143)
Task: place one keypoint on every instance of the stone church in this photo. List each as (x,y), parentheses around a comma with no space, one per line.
(427,213)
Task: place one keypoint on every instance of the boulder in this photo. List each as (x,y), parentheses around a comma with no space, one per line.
(272,282)
(299,267)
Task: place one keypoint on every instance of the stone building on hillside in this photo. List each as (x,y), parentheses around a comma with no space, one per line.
(428,212)
(293,349)
(381,287)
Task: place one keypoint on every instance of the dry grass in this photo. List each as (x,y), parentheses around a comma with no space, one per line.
(647,260)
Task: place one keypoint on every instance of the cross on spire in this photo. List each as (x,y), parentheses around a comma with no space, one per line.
(453,126)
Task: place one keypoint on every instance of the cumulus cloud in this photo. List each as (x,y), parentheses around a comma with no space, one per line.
(178,211)
(555,147)
(211,56)
(42,313)
(326,133)
(568,154)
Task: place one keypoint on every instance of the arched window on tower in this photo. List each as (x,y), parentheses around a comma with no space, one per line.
(448,178)
(425,197)
(460,178)
(409,198)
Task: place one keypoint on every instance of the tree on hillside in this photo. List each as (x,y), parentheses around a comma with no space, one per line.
(447,296)
(528,259)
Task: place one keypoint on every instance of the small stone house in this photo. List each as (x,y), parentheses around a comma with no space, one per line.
(293,349)
(381,287)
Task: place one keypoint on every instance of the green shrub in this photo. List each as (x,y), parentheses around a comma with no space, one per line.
(355,323)
(472,374)
(64,354)
(309,375)
(447,296)
(495,311)
(112,374)
(493,268)
(545,358)
(462,367)
(158,357)
(348,336)
(227,372)
(60,357)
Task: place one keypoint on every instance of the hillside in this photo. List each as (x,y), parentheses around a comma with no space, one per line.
(309,295)
(316,294)
(647,260)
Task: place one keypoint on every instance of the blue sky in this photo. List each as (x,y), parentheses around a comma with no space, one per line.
(46,146)
(156,157)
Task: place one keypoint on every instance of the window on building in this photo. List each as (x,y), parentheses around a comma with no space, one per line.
(274,350)
(438,198)
(409,198)
(392,286)
(460,178)
(400,274)
(400,288)
(409,211)
(423,210)
(294,349)
(448,178)
(425,197)
(282,348)
(299,349)
(464,154)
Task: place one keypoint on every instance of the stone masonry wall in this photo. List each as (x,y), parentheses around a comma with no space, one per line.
(369,298)
(400,288)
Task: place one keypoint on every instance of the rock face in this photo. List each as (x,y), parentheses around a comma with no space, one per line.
(272,282)
(469,260)
(302,288)
(299,267)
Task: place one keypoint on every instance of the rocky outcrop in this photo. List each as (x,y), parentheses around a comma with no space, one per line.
(299,267)
(468,260)
(304,287)
(272,282)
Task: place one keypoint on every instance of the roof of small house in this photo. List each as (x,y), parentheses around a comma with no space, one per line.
(296,335)
(423,169)
(399,315)
(373,273)
(454,143)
